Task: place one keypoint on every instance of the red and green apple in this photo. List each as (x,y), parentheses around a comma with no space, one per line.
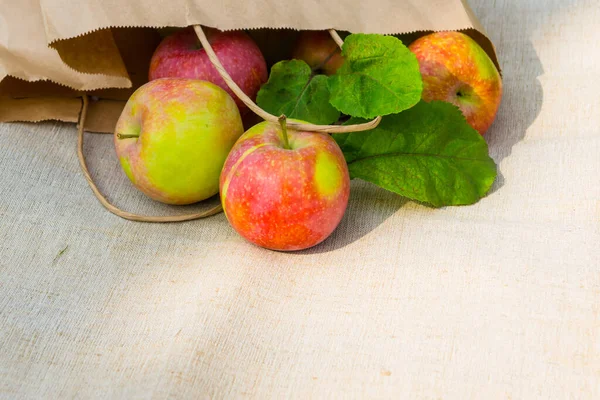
(284,191)
(457,70)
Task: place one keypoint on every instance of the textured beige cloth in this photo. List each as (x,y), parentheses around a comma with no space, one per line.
(497,300)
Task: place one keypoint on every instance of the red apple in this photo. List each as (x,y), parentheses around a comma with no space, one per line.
(457,70)
(181,55)
(319,51)
(284,198)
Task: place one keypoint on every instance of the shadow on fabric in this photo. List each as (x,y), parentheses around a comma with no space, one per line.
(368,207)
(521,67)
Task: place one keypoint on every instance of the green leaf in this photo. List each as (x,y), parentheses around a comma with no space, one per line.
(380,76)
(428,153)
(293,90)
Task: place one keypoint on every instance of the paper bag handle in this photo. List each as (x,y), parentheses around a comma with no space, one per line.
(245,99)
(114,209)
(270,117)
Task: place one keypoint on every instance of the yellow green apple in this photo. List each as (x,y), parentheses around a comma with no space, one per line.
(173,137)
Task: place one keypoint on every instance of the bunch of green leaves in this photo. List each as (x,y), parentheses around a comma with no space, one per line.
(423,151)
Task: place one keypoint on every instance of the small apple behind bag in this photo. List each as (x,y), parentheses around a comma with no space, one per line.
(457,70)
(180,55)
(319,51)
(284,189)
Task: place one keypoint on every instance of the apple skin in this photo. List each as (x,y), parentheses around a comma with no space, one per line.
(181,55)
(284,199)
(186,129)
(315,47)
(457,70)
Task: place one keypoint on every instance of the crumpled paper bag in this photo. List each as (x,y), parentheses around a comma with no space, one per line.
(53,50)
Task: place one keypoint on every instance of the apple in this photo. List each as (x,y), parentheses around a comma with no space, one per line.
(457,70)
(181,55)
(173,137)
(319,51)
(284,196)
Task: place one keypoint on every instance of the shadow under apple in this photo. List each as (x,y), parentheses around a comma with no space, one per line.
(521,67)
(368,207)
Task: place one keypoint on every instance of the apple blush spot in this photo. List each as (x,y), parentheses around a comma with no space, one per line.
(327,176)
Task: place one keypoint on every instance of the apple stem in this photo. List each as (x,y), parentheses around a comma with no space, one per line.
(123,136)
(283,123)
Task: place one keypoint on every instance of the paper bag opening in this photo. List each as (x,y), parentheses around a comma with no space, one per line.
(105,51)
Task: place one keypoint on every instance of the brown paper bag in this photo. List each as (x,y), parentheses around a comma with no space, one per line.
(51,51)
